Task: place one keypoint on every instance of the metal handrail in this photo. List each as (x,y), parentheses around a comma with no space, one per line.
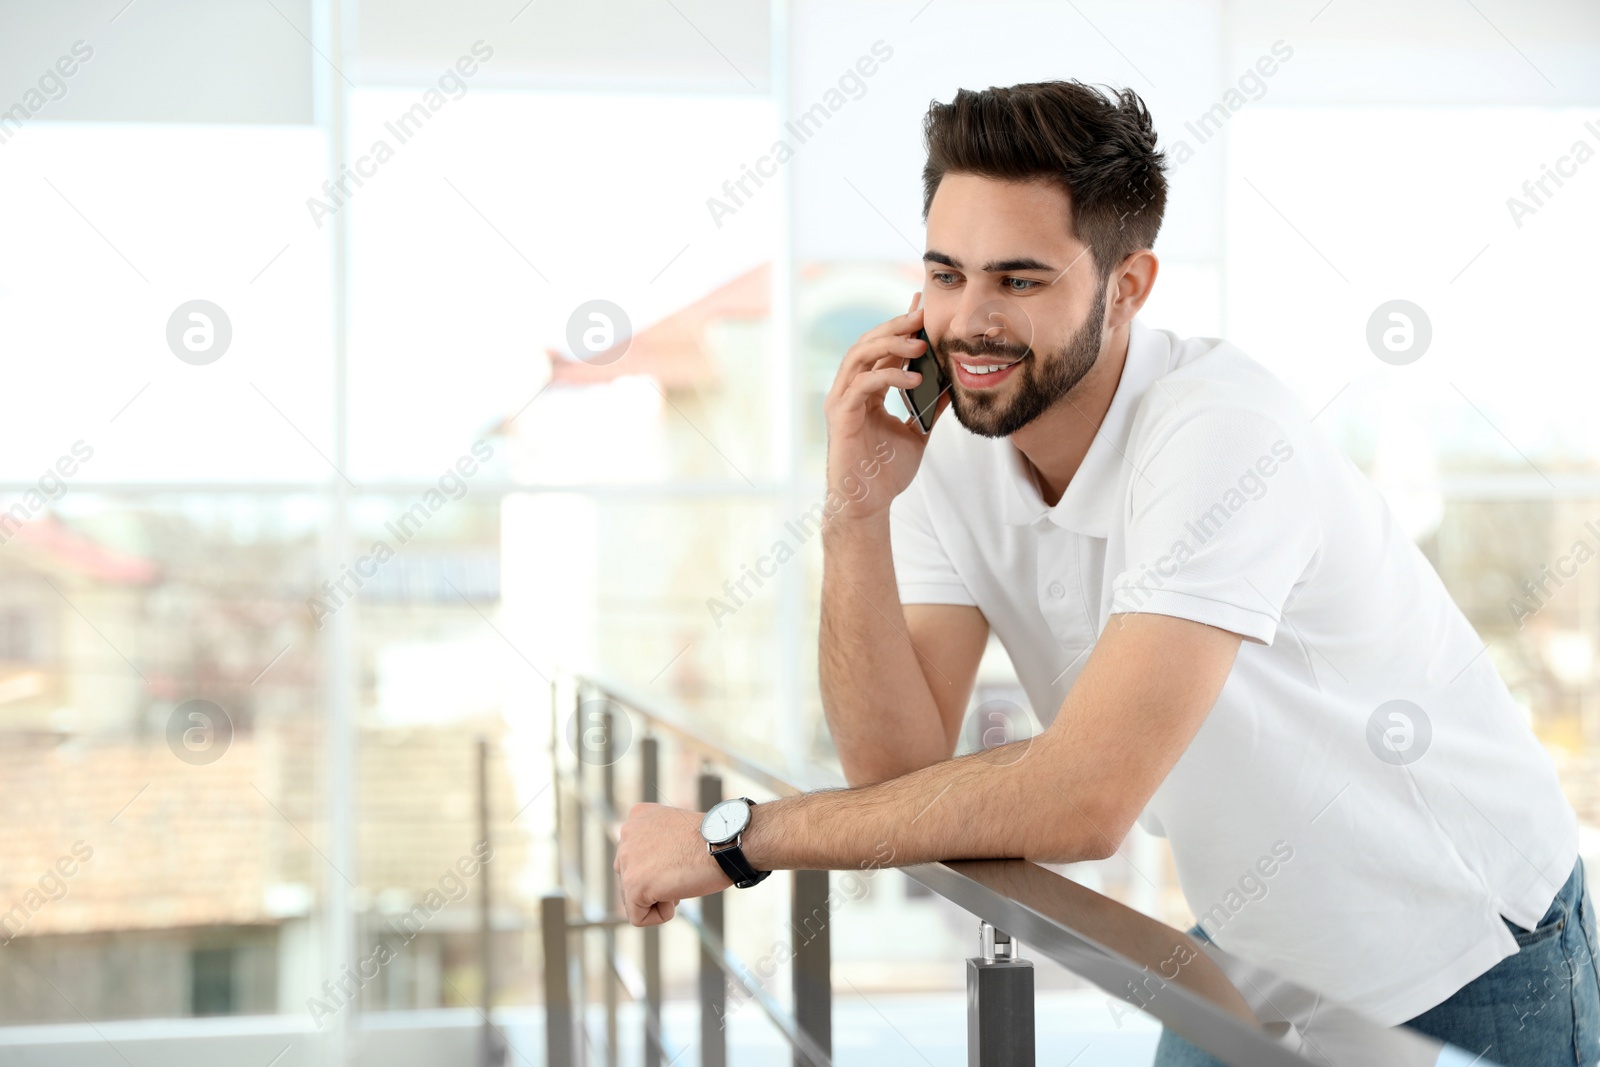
(1240,1013)
(787,781)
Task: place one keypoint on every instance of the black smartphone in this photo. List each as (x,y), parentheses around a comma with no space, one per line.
(922,399)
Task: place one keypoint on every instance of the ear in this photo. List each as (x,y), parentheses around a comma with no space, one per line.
(1130,284)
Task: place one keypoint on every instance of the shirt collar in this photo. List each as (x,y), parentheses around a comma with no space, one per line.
(1086,506)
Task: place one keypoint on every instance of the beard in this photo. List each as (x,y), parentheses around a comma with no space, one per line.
(1038,386)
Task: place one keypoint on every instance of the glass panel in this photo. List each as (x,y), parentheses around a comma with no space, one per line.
(461,628)
(440,669)
(1322,239)
(470,291)
(159,692)
(166,305)
(1524,572)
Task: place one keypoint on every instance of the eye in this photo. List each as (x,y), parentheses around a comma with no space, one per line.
(1024,284)
(943,277)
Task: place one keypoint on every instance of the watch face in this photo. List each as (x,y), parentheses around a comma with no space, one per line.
(725,821)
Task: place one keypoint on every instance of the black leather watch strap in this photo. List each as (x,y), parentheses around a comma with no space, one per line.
(735,866)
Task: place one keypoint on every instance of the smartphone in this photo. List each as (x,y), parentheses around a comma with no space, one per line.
(922,399)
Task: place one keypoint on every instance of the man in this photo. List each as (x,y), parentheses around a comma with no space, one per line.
(1247,653)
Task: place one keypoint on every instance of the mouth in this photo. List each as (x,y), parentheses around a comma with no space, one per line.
(976,373)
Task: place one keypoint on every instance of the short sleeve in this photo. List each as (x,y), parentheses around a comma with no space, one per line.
(1222,522)
(922,568)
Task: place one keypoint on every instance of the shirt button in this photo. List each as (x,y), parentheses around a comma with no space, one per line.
(1057,590)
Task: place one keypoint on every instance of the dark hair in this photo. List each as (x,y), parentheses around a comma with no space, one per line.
(1100,147)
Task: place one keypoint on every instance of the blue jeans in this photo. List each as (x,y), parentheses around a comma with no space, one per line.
(1539,1008)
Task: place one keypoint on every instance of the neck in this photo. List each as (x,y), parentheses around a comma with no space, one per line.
(1055,443)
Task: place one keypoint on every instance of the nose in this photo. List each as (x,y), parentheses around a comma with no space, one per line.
(993,321)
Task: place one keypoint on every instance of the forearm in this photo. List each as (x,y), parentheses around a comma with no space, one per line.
(879,708)
(1071,793)
(1002,803)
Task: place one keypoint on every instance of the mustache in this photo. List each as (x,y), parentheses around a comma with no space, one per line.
(954,345)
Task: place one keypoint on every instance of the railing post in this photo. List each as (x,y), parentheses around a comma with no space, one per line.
(713,984)
(555,775)
(811,968)
(492,1046)
(650,793)
(608,937)
(999,1003)
(558,1016)
(580,830)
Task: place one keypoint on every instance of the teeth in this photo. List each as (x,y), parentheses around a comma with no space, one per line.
(984,370)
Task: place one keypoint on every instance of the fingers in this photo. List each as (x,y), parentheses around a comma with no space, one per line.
(869,352)
(654,915)
(640,909)
(892,359)
(889,340)
(640,912)
(872,385)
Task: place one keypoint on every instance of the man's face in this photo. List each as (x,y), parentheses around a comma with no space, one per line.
(1011,300)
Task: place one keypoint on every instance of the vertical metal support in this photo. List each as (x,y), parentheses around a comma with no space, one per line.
(580,831)
(812,966)
(558,1016)
(999,1003)
(713,984)
(491,1046)
(789,413)
(650,793)
(334,25)
(608,937)
(555,782)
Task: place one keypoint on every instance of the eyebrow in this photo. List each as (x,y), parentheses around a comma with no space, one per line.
(993,266)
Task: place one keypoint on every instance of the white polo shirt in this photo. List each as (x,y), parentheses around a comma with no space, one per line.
(1362,848)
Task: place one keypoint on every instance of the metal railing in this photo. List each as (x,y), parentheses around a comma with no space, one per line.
(1239,1013)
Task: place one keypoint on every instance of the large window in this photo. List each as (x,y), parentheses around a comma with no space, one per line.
(315,480)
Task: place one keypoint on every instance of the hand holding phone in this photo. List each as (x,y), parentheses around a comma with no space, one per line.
(868,443)
(922,399)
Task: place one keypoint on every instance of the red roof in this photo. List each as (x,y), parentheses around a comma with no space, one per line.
(673,351)
(49,540)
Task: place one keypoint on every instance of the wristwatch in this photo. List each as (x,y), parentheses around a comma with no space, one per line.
(723,828)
